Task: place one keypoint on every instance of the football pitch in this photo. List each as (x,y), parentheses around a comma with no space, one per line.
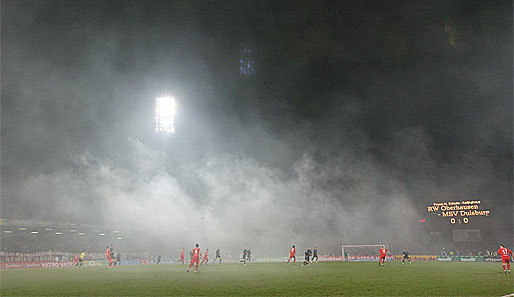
(264,279)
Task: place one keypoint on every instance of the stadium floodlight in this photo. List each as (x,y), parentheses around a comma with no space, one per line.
(22,229)
(48,229)
(8,231)
(102,234)
(116,231)
(34,232)
(73,230)
(81,233)
(165,110)
(96,230)
(119,238)
(58,233)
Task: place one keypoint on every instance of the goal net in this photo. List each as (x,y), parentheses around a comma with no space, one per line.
(364,252)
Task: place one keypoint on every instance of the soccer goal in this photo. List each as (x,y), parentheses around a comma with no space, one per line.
(362,252)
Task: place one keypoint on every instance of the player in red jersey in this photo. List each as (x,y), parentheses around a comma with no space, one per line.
(383,252)
(505,252)
(206,257)
(195,258)
(182,259)
(76,261)
(109,256)
(292,254)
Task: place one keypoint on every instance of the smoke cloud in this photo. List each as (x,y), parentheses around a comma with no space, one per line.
(339,137)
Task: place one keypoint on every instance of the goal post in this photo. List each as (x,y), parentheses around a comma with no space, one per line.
(366,252)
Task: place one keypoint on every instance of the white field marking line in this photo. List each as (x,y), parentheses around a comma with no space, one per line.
(510,295)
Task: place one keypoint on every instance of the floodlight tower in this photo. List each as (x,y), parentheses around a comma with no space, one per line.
(165,110)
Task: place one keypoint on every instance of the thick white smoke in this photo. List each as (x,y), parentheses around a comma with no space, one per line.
(241,202)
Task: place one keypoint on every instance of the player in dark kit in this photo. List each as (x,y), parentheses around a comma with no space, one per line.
(248,255)
(111,249)
(315,254)
(405,256)
(308,254)
(218,255)
(245,255)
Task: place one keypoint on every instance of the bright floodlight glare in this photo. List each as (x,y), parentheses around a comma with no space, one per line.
(165,110)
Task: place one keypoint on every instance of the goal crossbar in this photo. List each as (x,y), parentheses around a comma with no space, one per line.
(357,246)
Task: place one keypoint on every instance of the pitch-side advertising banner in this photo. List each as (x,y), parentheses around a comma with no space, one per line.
(462,259)
(330,258)
(489,259)
(418,258)
(38,264)
(388,258)
(368,258)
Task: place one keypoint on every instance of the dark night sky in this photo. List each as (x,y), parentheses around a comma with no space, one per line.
(420,89)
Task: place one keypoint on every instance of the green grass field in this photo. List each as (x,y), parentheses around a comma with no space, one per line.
(264,279)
